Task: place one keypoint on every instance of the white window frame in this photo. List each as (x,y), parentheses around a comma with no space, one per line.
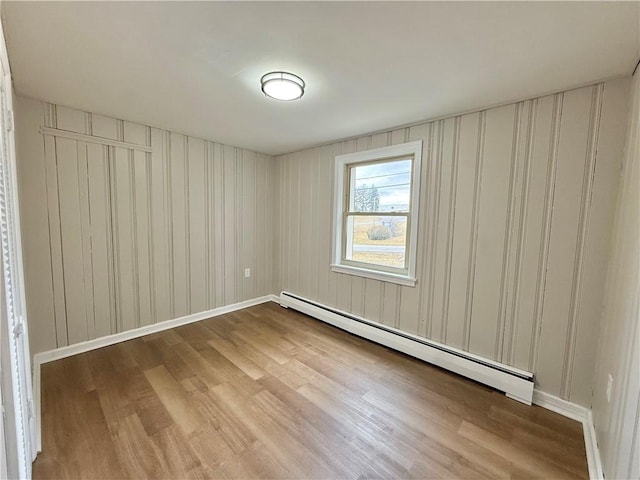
(341,191)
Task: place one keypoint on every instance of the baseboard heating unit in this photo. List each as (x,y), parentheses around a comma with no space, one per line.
(515,383)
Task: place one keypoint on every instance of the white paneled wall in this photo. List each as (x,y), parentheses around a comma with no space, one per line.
(516,213)
(117,237)
(617,420)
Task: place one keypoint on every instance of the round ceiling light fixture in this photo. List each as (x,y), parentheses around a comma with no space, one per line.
(282,85)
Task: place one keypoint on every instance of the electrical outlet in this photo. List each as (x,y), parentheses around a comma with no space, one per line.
(247,272)
(609,386)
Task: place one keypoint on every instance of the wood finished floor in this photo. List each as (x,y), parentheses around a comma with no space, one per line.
(269,393)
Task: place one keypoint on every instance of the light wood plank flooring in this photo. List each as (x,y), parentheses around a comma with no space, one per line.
(269,393)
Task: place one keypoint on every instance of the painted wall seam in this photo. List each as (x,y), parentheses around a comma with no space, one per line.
(150,249)
(169,220)
(502,304)
(473,235)
(524,203)
(546,231)
(450,229)
(583,222)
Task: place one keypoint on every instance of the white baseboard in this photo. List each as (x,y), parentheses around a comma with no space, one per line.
(591,445)
(558,405)
(517,384)
(58,353)
(63,352)
(582,415)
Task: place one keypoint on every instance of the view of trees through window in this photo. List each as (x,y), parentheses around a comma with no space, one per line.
(381,188)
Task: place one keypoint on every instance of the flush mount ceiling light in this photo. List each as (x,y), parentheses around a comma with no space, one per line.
(282,86)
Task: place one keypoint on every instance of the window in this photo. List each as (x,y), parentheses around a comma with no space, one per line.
(376,213)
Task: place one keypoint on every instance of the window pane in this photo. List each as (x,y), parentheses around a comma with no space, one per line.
(381,187)
(377,240)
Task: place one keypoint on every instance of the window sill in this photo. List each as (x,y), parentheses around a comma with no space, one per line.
(374,274)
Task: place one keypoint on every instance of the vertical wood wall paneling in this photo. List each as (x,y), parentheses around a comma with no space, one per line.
(187,221)
(611,136)
(545,232)
(304,242)
(102,261)
(617,418)
(157,236)
(178,179)
(145,278)
(316,257)
(310,254)
(168,210)
(473,236)
(430,203)
(229,228)
(268,200)
(520,203)
(507,278)
(262,233)
(493,229)
(197,217)
(501,203)
(218,238)
(462,227)
(267,220)
(249,232)
(85,231)
(55,234)
(287,208)
(507,251)
(133,237)
(325,217)
(32,180)
(124,239)
(583,226)
(273,221)
(238,233)
(70,228)
(208,223)
(414,304)
(285,218)
(531,204)
(135,246)
(573,141)
(274,195)
(161,257)
(447,158)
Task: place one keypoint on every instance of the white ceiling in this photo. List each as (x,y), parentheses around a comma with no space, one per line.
(195,67)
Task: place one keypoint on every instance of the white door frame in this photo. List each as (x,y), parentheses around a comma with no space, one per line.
(13,276)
